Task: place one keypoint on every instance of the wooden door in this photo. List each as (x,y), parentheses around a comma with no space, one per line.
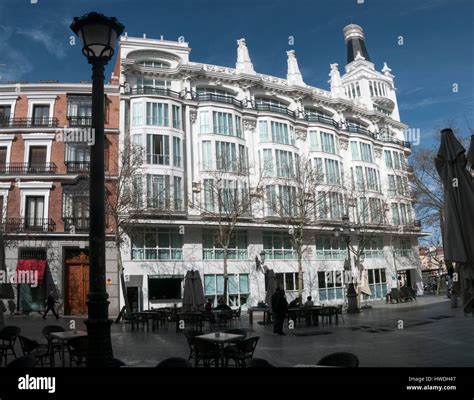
(77,285)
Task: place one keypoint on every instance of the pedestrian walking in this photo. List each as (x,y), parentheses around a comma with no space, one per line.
(50,303)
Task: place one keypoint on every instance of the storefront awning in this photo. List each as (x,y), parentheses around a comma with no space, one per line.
(32,265)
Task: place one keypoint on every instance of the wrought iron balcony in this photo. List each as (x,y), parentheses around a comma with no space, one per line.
(77,167)
(321,118)
(19,225)
(359,129)
(154,91)
(79,121)
(79,224)
(28,122)
(275,109)
(20,168)
(396,141)
(219,98)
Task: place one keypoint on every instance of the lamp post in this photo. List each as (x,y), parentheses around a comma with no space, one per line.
(98,35)
(352,306)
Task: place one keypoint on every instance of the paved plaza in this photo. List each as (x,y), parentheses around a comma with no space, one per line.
(433,335)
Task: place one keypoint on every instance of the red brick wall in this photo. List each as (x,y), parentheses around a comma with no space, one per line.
(57,155)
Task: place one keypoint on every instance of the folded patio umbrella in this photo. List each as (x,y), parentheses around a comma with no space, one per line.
(188,293)
(458,232)
(271,287)
(198,291)
(193,294)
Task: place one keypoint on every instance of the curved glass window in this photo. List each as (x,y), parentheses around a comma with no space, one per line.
(217,92)
(154,64)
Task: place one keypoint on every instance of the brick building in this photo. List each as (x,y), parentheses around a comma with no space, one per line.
(45,139)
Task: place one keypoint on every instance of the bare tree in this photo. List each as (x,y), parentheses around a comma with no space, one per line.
(227,197)
(294,196)
(363,195)
(125,202)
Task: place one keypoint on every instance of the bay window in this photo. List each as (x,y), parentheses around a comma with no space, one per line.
(157,244)
(278,246)
(157,114)
(158,149)
(330,285)
(158,191)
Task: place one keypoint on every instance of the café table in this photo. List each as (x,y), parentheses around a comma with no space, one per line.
(220,339)
(265,310)
(64,337)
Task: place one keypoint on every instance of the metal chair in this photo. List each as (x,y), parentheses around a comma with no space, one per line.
(205,352)
(39,351)
(190,334)
(241,352)
(237,315)
(55,345)
(78,350)
(174,362)
(224,317)
(8,336)
(342,359)
(339,312)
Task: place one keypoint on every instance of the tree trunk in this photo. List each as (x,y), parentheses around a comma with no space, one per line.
(226,276)
(300,277)
(122,279)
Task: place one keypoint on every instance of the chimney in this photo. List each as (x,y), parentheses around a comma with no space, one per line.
(354,38)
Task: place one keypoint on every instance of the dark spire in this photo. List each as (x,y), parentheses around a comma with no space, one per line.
(354,37)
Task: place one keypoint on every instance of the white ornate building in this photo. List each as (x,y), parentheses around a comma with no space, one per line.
(191,117)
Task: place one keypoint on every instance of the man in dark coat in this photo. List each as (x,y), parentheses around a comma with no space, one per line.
(280,309)
(274,300)
(50,303)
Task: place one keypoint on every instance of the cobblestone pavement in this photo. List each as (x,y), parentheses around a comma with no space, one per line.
(433,335)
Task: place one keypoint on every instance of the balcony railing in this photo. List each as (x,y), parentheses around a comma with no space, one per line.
(20,168)
(417,223)
(155,91)
(359,129)
(396,141)
(274,108)
(80,121)
(158,159)
(219,98)
(28,122)
(18,225)
(77,167)
(321,118)
(79,224)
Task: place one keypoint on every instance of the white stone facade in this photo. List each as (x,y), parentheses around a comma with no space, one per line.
(180,112)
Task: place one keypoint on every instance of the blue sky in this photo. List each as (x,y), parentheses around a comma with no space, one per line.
(437,51)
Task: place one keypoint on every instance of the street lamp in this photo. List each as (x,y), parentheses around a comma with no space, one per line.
(260,263)
(98,35)
(346,236)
